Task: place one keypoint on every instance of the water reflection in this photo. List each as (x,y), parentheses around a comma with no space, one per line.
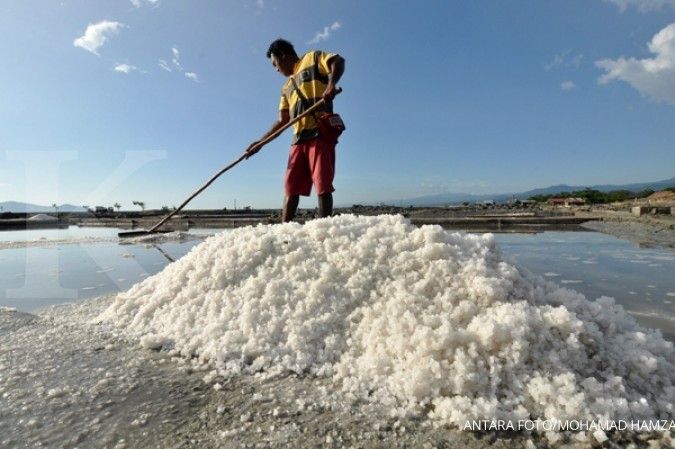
(85,263)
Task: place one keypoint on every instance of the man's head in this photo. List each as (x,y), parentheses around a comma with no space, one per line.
(283,56)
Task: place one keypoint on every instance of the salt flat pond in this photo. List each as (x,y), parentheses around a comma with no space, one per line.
(54,266)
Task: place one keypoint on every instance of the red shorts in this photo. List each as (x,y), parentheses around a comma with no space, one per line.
(310,162)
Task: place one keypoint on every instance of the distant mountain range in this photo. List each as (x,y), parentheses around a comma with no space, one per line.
(429,200)
(456,198)
(17,207)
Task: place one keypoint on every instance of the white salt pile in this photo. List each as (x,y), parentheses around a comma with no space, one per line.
(417,318)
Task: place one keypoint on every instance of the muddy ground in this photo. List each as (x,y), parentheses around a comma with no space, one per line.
(648,230)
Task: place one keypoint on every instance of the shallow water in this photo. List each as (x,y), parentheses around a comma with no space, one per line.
(54,266)
(640,279)
(84,263)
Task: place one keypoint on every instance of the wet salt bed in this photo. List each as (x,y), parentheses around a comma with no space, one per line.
(69,233)
(640,279)
(49,237)
(258,334)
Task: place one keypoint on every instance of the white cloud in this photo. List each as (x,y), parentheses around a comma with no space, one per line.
(325,34)
(176,58)
(652,77)
(568,85)
(176,65)
(164,65)
(96,34)
(139,3)
(125,68)
(642,5)
(260,3)
(565,60)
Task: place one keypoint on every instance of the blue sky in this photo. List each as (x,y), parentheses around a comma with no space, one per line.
(440,96)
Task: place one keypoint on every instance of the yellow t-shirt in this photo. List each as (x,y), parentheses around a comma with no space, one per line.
(311,76)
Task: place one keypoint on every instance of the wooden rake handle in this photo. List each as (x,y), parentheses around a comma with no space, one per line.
(260,144)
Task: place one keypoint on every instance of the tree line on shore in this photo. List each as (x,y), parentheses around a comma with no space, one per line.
(593,196)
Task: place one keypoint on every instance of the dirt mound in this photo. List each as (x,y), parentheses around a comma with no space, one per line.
(664,197)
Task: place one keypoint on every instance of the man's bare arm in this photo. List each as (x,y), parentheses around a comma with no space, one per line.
(337,68)
(284,118)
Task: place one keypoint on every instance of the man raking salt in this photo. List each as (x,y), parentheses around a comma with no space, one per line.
(311,160)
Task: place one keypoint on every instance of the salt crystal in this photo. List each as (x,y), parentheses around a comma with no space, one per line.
(600,436)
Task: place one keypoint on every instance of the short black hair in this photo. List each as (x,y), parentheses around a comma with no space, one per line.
(281,47)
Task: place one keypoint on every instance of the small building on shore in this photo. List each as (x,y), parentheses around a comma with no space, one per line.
(567,202)
(556,201)
(574,202)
